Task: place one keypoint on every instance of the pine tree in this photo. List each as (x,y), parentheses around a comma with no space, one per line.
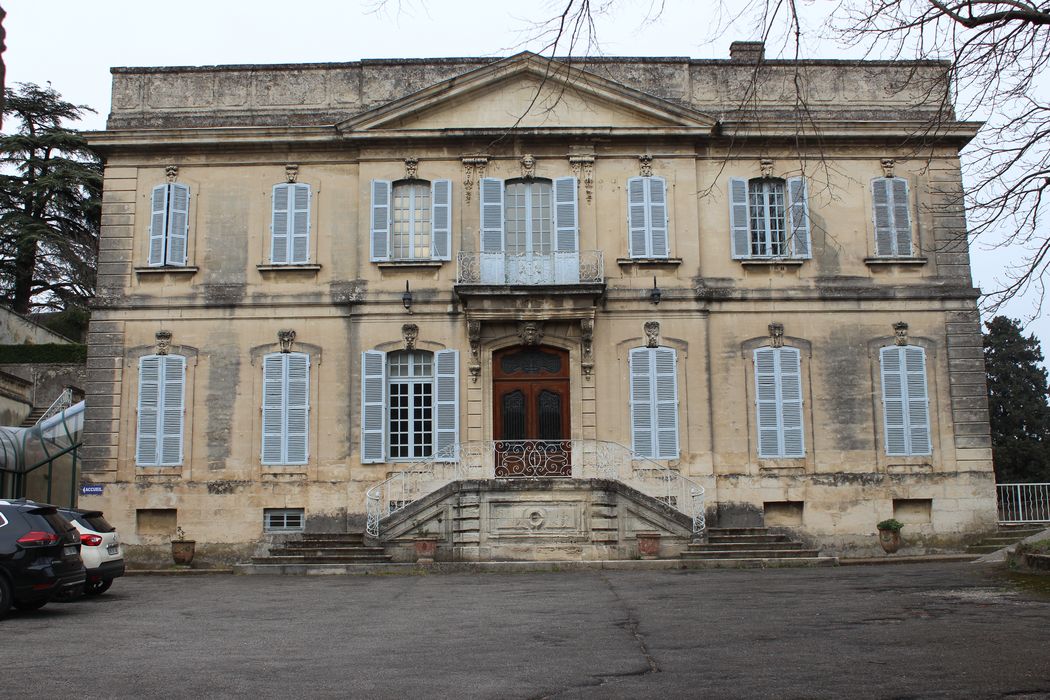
(1017,402)
(50,204)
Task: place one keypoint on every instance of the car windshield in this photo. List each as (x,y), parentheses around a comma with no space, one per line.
(47,520)
(97,523)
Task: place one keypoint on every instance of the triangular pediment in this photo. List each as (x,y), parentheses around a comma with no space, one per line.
(531,92)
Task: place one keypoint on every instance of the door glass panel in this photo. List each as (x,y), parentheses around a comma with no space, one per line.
(549,406)
(514,416)
(531,362)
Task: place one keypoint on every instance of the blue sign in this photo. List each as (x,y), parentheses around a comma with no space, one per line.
(91,489)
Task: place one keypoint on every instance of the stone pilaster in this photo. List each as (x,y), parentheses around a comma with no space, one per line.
(969,391)
(105,367)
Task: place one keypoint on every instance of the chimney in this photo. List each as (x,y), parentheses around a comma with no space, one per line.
(747,51)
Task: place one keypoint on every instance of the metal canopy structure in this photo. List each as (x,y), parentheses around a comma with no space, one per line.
(52,443)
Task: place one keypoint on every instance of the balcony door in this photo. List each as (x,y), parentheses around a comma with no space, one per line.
(530,390)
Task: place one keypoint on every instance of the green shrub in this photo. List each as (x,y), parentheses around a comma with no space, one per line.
(1037,547)
(891,524)
(45,353)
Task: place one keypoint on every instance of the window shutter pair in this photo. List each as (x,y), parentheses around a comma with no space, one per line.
(778,402)
(169,225)
(290,225)
(889,198)
(162,380)
(374,404)
(654,402)
(905,405)
(440,219)
(565,219)
(286,408)
(647,217)
(796,218)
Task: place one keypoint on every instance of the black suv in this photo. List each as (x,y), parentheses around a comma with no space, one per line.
(39,555)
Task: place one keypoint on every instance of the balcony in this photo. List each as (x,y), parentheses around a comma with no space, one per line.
(533,269)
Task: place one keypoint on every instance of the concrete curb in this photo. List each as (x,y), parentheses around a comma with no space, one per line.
(176,572)
(907,559)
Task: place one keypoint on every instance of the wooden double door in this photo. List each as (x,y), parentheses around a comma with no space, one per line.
(530,390)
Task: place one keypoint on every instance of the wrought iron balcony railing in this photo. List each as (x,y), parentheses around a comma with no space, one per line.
(583,267)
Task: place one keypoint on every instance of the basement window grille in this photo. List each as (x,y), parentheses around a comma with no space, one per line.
(283,519)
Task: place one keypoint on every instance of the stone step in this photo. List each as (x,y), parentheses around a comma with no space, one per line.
(321,551)
(738,531)
(759,563)
(715,546)
(748,538)
(751,554)
(333,536)
(290,559)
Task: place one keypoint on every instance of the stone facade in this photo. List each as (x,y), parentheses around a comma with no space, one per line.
(228,135)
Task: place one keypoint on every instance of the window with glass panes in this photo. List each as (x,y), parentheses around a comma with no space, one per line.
(527,217)
(410,222)
(767,217)
(410,380)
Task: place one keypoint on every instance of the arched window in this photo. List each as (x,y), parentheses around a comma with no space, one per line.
(778,402)
(905,400)
(654,402)
(286,408)
(161,404)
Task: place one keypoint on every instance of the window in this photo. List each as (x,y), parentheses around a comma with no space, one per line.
(769,218)
(778,402)
(169,225)
(283,519)
(286,408)
(889,196)
(162,380)
(409,405)
(647,217)
(654,402)
(905,409)
(290,227)
(411,220)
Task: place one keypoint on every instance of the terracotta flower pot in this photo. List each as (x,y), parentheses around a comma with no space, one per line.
(890,540)
(182,551)
(426,547)
(648,545)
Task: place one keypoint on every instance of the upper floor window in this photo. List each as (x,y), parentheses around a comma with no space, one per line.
(286,408)
(778,402)
(411,220)
(169,224)
(654,402)
(905,403)
(409,405)
(647,217)
(889,196)
(162,380)
(290,227)
(769,218)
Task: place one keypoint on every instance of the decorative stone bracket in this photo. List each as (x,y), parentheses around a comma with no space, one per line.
(587,346)
(583,169)
(474,336)
(473,171)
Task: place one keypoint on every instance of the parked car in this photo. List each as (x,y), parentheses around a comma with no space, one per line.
(39,555)
(100,548)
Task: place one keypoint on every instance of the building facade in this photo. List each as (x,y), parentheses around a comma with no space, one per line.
(314,278)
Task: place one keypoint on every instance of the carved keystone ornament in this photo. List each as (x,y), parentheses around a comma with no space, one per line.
(652,334)
(410,332)
(163,342)
(286,337)
(530,332)
(776,334)
(291,172)
(528,166)
(172,172)
(900,331)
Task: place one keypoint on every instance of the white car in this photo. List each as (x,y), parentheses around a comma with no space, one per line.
(100,549)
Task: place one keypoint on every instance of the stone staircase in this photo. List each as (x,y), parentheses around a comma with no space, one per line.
(751,547)
(1006,536)
(322,549)
(35,415)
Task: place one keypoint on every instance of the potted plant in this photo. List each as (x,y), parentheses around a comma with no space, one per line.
(182,549)
(890,535)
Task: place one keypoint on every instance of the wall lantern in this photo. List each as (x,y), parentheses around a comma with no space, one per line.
(406,298)
(655,293)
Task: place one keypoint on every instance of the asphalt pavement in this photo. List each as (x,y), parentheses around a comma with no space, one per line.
(915,630)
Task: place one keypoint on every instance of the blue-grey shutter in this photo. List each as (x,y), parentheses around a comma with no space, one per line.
(147,430)
(637,225)
(642,429)
(905,401)
(441,219)
(296,408)
(880,200)
(380,237)
(273,408)
(279,224)
(172,409)
(894,418)
(158,225)
(665,402)
(178,224)
(491,215)
(918,401)
(656,197)
(299,247)
(373,406)
(446,398)
(798,216)
(738,218)
(767,405)
(901,216)
(566,216)
(790,371)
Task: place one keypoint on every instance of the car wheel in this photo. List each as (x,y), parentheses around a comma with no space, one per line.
(30,604)
(98,587)
(5,596)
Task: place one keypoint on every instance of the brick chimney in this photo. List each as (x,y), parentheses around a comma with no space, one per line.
(747,51)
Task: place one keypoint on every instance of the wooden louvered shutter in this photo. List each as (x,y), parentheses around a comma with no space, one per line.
(178,224)
(905,401)
(918,401)
(491,215)
(158,225)
(798,216)
(441,219)
(299,249)
(901,216)
(738,218)
(172,408)
(273,409)
(881,204)
(657,216)
(894,417)
(665,401)
(373,406)
(642,428)
(566,216)
(296,408)
(638,229)
(279,224)
(147,431)
(380,237)
(789,362)
(446,399)
(767,406)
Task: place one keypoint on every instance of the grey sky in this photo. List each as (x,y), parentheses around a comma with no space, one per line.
(73,44)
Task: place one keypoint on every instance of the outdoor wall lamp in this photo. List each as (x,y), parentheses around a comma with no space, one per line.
(655,293)
(406,298)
